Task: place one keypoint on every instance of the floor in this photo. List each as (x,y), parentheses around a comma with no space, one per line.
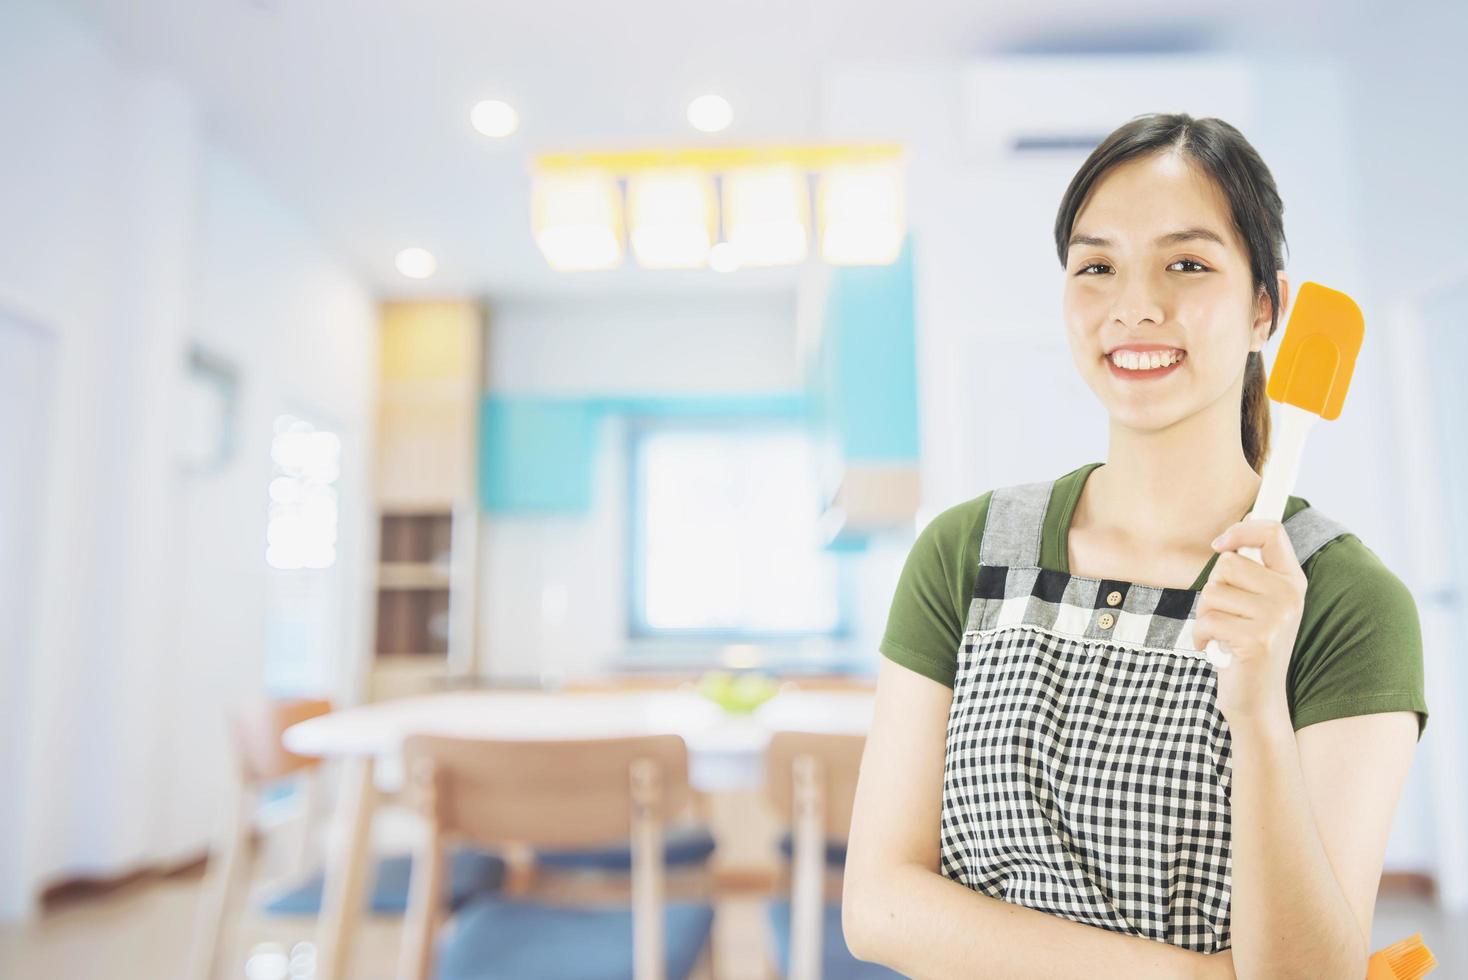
(141,931)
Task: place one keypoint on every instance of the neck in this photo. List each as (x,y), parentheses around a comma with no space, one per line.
(1176,486)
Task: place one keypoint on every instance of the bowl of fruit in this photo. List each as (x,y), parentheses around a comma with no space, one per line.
(737,694)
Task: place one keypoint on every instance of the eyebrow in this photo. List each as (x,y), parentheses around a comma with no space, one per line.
(1172,238)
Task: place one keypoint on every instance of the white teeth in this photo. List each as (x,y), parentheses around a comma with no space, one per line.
(1135,361)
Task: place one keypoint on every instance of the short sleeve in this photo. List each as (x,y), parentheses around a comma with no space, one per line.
(1359,649)
(930,604)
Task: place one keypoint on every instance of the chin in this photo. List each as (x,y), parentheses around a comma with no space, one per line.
(1154,417)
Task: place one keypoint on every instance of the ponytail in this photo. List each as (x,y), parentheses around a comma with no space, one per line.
(1254,414)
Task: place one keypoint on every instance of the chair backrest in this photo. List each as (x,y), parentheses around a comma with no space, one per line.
(564,793)
(835,762)
(257,731)
(567,793)
(810,783)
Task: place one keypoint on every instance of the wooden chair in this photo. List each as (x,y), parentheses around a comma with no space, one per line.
(551,794)
(811,787)
(261,758)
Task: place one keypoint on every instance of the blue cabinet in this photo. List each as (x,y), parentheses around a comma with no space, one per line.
(861,375)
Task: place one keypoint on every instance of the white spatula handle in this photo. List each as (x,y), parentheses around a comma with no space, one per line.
(1276,483)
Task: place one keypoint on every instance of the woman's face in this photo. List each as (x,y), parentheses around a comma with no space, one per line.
(1132,283)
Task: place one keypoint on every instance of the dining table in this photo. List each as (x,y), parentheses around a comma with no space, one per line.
(725,756)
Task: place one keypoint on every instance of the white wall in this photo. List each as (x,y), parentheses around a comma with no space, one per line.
(124,233)
(27,377)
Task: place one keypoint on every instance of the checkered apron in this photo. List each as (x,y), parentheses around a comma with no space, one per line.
(1088,768)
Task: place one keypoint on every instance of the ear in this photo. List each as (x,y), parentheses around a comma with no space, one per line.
(1259,333)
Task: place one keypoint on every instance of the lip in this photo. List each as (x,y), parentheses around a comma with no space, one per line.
(1149,374)
(1140,348)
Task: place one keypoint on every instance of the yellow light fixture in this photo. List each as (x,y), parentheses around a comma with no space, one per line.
(862,214)
(720,158)
(576,216)
(672,216)
(766,214)
(765,204)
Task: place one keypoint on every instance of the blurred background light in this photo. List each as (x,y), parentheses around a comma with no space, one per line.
(710,113)
(722,258)
(672,215)
(577,219)
(494,118)
(862,214)
(766,214)
(416,263)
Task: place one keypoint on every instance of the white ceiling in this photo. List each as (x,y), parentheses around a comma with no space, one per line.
(356,111)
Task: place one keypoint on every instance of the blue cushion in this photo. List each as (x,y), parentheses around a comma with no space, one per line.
(470,873)
(681,846)
(494,937)
(837,963)
(835,850)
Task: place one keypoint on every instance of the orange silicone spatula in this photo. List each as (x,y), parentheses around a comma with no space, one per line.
(1309,380)
(1408,959)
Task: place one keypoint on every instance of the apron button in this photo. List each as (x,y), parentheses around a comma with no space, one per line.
(1106,621)
(1114,599)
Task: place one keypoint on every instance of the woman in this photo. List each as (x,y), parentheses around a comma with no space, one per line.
(1056,782)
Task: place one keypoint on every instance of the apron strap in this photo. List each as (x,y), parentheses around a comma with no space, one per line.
(1309,531)
(1012,529)
(1016,520)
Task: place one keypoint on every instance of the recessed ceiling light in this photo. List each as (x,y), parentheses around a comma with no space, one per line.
(494,118)
(709,113)
(416,263)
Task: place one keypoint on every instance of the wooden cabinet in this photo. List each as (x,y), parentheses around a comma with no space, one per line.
(431,371)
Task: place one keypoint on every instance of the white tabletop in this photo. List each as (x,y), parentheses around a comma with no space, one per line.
(725,749)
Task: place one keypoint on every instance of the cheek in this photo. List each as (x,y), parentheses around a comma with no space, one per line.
(1084,314)
(1082,309)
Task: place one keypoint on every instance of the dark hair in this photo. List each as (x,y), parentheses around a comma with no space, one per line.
(1258,215)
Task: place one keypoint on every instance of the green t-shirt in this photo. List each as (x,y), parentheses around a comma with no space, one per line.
(1358,650)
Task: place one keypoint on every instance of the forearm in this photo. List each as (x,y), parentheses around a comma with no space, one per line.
(923,924)
(1289,915)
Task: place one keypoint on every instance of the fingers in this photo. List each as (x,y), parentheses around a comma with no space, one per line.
(1233,569)
(1229,630)
(1227,598)
(1275,549)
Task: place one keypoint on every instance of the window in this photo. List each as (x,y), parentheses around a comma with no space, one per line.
(301,532)
(724,540)
(304,585)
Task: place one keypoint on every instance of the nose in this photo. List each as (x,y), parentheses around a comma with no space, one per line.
(1135,301)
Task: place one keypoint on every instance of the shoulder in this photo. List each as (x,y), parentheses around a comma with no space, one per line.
(1359,646)
(953,526)
(1347,578)
(1336,561)
(925,620)
(946,542)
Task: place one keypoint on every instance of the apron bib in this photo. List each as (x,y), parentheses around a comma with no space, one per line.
(1087,767)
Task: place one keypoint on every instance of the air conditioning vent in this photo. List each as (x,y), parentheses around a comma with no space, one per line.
(1031,104)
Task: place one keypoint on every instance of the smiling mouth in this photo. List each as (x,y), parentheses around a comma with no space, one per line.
(1151,364)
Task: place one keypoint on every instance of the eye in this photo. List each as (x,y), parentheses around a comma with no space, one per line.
(1198,267)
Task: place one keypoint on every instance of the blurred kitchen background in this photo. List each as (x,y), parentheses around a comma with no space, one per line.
(359,352)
